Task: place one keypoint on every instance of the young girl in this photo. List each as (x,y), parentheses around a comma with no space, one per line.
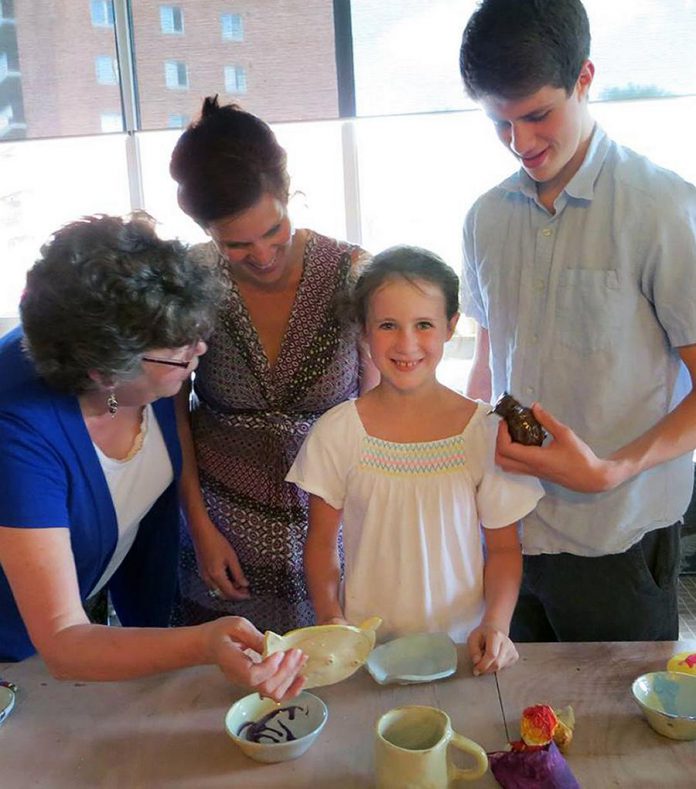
(409,470)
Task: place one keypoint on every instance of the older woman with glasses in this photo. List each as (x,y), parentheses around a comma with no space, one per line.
(113,321)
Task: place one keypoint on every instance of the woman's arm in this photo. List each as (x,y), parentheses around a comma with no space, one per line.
(489,645)
(321,562)
(478,385)
(217,560)
(40,568)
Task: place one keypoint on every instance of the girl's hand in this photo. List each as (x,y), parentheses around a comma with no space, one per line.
(490,649)
(334,620)
(275,677)
(218,564)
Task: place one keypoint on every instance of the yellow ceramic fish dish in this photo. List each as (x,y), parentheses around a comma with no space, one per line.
(334,651)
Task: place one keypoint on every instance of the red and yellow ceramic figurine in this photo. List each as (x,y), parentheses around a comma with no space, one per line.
(536,759)
(540,725)
(684,662)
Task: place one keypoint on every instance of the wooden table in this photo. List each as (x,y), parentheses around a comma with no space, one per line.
(168,731)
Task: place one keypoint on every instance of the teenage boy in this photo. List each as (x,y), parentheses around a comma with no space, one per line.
(581,273)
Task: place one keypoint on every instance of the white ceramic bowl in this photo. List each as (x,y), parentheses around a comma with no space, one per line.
(421,657)
(668,701)
(7,700)
(304,717)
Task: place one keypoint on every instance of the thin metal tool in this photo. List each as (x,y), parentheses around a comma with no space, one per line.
(502,709)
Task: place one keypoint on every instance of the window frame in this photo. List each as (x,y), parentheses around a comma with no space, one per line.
(232,34)
(169,27)
(101,62)
(6,19)
(105,16)
(111,115)
(240,80)
(181,67)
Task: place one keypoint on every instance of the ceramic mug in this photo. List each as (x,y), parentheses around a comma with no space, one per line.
(411,750)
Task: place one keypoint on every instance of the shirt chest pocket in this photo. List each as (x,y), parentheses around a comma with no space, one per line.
(588,309)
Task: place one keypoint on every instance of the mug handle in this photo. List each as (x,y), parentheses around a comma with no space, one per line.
(473,749)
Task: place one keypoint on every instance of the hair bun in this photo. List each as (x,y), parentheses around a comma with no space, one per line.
(210,106)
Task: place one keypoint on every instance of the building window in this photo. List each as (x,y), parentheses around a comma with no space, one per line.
(6,69)
(232,27)
(111,121)
(176,121)
(107,70)
(171,20)
(176,75)
(102,12)
(235,79)
(6,115)
(6,12)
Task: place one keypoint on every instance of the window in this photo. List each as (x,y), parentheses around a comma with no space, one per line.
(6,12)
(6,67)
(6,115)
(232,27)
(176,75)
(106,68)
(102,12)
(111,122)
(177,121)
(235,79)
(171,20)
(294,75)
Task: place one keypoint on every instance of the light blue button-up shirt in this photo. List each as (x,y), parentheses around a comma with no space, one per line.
(585,309)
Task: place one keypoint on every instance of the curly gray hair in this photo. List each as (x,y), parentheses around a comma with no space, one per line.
(104,291)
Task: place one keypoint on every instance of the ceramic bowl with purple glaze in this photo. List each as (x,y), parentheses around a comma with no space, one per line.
(270,732)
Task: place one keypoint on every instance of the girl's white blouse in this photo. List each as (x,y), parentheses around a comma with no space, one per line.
(411,518)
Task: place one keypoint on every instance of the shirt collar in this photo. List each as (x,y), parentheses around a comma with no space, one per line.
(581,185)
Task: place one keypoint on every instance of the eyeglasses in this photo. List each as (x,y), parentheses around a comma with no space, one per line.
(169,362)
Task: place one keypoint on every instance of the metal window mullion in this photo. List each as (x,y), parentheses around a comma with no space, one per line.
(345,69)
(345,78)
(129,100)
(351,182)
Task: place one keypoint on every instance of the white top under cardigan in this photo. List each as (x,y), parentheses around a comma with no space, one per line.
(135,485)
(411,517)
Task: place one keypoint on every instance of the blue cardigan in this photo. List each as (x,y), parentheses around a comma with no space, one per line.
(51,477)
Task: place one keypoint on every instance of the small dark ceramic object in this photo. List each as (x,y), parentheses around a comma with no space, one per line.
(523,426)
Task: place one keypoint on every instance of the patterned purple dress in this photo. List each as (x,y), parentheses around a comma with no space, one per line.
(248,424)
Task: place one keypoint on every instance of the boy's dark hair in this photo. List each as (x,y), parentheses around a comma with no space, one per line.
(411,264)
(225,162)
(512,48)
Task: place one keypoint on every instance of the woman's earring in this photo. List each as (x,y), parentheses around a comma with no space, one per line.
(112,403)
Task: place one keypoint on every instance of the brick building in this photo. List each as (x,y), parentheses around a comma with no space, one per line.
(275,57)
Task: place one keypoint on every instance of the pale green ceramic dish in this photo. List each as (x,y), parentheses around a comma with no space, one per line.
(668,701)
(421,657)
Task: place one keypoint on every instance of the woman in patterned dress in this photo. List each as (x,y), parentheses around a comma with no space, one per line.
(280,357)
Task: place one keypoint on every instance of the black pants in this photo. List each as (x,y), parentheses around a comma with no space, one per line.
(630,596)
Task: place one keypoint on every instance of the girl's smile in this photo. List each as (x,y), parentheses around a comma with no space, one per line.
(406,330)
